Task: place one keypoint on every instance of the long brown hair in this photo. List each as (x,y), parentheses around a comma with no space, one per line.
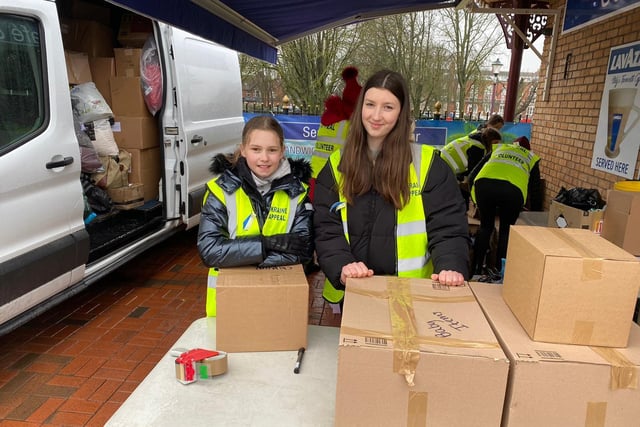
(389,175)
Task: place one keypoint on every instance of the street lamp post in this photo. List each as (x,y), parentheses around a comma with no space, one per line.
(495,69)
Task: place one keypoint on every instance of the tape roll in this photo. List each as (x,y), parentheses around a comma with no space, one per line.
(627,186)
(212,366)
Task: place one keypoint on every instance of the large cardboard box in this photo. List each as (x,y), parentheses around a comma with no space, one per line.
(135,132)
(127,98)
(559,384)
(399,331)
(127,62)
(564,216)
(262,309)
(622,220)
(570,286)
(78,69)
(134,30)
(146,168)
(90,37)
(102,69)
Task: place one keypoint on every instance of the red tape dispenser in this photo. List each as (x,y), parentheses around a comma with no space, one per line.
(199,363)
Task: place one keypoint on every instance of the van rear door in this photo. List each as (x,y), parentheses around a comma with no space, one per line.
(202,115)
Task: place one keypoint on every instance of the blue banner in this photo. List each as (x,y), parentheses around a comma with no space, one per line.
(300,132)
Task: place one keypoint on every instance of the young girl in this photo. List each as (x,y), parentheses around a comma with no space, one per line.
(256,210)
(386,206)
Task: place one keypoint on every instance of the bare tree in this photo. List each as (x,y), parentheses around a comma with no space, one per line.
(526,95)
(405,43)
(310,68)
(473,38)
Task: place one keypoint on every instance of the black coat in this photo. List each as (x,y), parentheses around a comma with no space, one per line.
(372,222)
(218,250)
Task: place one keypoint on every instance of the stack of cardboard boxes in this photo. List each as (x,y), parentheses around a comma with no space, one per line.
(88,36)
(564,319)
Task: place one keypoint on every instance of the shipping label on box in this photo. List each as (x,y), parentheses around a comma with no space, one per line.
(560,384)
(416,353)
(622,220)
(564,216)
(570,286)
(263,309)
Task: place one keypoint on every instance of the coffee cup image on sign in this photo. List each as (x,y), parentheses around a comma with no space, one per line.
(621,107)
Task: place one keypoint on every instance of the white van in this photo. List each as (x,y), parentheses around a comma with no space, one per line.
(47,253)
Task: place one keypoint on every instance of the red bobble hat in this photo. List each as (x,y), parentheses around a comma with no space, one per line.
(338,109)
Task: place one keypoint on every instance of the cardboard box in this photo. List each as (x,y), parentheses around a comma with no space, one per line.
(396,331)
(80,9)
(262,309)
(127,62)
(622,220)
(563,216)
(127,98)
(102,69)
(129,197)
(570,286)
(146,168)
(78,69)
(559,384)
(134,30)
(90,37)
(136,132)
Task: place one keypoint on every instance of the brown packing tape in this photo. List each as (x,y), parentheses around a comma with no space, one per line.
(406,353)
(591,264)
(418,298)
(582,331)
(624,374)
(596,414)
(417,409)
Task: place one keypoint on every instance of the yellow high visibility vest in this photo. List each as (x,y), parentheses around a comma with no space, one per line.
(413,259)
(243,222)
(330,138)
(455,153)
(509,162)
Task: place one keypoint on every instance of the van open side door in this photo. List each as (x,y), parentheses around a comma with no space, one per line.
(202,116)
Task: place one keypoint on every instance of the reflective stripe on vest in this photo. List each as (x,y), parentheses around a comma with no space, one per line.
(413,259)
(455,153)
(509,162)
(242,221)
(330,138)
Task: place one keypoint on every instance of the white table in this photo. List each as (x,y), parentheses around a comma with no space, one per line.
(258,389)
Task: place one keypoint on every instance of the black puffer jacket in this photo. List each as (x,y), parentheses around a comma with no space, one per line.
(372,226)
(218,250)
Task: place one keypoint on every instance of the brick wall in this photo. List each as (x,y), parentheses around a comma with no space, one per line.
(566,119)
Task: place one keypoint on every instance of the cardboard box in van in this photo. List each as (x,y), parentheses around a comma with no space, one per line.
(145,168)
(127,61)
(135,132)
(102,69)
(78,69)
(128,197)
(127,98)
(134,30)
(90,37)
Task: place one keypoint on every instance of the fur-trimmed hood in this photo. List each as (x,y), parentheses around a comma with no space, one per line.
(300,168)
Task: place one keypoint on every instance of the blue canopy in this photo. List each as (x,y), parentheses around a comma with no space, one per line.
(256,27)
